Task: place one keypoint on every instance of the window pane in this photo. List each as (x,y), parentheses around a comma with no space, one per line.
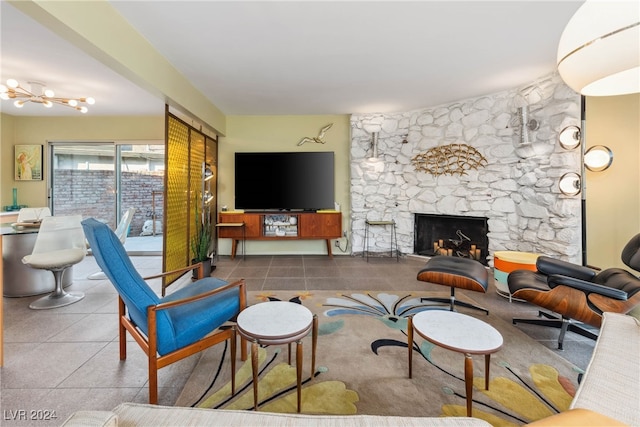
(84,181)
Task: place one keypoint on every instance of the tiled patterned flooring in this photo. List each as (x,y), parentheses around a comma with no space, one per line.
(66,359)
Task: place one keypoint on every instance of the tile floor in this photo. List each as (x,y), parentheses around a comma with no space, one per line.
(66,359)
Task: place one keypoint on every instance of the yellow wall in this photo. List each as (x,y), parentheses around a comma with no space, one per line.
(39,130)
(613,196)
(282,133)
(7,124)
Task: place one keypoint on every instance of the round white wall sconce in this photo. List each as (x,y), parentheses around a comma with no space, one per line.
(598,158)
(570,184)
(569,137)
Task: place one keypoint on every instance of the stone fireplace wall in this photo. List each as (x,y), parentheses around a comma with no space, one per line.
(517,190)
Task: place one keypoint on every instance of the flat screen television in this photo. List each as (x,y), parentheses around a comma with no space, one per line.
(284,181)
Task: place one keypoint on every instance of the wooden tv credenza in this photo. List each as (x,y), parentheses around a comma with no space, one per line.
(280,226)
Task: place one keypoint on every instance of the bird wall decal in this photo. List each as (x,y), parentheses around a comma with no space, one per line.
(319,139)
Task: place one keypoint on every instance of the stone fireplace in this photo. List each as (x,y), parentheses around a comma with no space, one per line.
(451,235)
(516,192)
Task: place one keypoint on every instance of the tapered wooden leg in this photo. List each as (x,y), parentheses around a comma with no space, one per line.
(487,363)
(153,381)
(243,348)
(233,361)
(122,312)
(468,381)
(329,252)
(234,248)
(254,367)
(314,344)
(289,349)
(410,343)
(299,372)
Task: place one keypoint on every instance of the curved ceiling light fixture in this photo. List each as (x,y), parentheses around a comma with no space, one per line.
(39,95)
(599,50)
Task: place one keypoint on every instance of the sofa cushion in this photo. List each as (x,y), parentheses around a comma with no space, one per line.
(92,419)
(577,418)
(134,414)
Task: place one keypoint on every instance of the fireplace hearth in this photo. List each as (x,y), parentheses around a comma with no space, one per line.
(451,235)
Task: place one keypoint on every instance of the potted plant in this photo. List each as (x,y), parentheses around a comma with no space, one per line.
(201,243)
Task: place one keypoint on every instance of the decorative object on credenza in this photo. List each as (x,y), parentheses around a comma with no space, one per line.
(452,159)
(39,95)
(319,139)
(28,163)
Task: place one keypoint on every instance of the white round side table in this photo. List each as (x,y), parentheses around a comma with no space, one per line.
(460,333)
(274,323)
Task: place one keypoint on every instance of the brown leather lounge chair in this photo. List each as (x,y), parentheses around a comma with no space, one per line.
(455,272)
(578,293)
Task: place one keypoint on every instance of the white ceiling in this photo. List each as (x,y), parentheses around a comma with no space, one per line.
(303,57)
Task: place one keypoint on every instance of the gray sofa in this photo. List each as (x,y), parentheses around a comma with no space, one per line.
(611,384)
(134,414)
(609,394)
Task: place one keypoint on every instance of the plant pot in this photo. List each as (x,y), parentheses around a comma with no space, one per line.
(207,266)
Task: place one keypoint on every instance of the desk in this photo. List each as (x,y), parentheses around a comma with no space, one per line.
(20,280)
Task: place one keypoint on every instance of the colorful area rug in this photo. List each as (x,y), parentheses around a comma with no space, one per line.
(362,367)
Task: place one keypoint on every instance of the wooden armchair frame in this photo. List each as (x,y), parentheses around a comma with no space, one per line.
(149,344)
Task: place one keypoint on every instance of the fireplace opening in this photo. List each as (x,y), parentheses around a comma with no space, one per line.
(451,235)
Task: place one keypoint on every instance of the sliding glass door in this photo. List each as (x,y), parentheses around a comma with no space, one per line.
(140,185)
(102,180)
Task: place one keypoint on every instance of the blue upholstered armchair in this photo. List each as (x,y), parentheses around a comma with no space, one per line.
(167,328)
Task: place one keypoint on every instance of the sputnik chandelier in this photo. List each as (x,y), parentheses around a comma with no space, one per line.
(38,94)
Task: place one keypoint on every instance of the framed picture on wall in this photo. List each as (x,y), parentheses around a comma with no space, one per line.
(28,163)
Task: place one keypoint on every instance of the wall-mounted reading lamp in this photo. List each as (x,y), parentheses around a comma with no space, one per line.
(373,128)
